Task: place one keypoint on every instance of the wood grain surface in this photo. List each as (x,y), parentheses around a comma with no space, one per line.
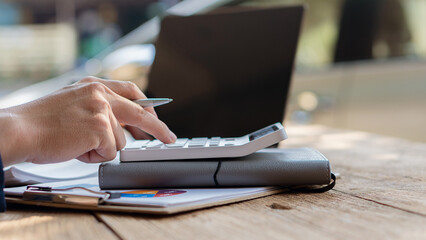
(32,222)
(381,194)
(387,170)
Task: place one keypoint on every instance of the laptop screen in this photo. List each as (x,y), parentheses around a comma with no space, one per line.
(228,73)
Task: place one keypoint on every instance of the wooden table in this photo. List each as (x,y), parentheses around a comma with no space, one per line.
(381,194)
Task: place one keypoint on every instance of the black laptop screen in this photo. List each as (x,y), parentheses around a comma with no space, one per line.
(228,72)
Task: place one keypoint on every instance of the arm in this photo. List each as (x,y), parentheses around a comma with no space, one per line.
(2,202)
(80,121)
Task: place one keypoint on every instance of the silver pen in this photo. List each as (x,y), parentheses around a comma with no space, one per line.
(152,102)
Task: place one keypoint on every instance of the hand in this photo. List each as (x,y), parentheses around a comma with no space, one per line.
(80,121)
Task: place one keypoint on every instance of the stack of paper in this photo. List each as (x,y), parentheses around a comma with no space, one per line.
(29,173)
(160,201)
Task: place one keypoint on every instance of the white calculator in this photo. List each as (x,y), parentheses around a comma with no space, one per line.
(203,147)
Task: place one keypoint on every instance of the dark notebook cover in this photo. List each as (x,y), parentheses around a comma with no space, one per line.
(268,167)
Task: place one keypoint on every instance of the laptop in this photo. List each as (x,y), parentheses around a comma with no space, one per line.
(228,72)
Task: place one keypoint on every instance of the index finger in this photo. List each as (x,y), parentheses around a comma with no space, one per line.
(125,89)
(132,114)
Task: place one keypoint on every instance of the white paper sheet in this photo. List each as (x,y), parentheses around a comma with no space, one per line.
(157,198)
(29,173)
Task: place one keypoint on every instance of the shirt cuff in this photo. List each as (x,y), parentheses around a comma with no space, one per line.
(2,201)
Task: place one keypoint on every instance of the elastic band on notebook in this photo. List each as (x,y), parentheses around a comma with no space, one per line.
(219,163)
(317,190)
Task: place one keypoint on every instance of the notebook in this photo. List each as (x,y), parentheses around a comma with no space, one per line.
(228,72)
(172,187)
(267,167)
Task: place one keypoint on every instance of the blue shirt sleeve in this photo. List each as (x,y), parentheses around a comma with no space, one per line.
(2,202)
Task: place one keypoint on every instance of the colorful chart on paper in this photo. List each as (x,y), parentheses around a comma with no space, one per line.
(135,193)
(151,193)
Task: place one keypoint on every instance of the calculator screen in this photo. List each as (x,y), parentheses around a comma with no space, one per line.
(262,132)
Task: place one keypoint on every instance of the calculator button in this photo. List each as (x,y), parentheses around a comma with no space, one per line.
(193,146)
(214,141)
(180,143)
(137,144)
(154,144)
(198,142)
(201,139)
(214,144)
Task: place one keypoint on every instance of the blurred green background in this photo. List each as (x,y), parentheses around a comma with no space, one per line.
(360,64)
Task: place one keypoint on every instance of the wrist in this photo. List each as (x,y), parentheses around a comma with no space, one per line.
(10,138)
